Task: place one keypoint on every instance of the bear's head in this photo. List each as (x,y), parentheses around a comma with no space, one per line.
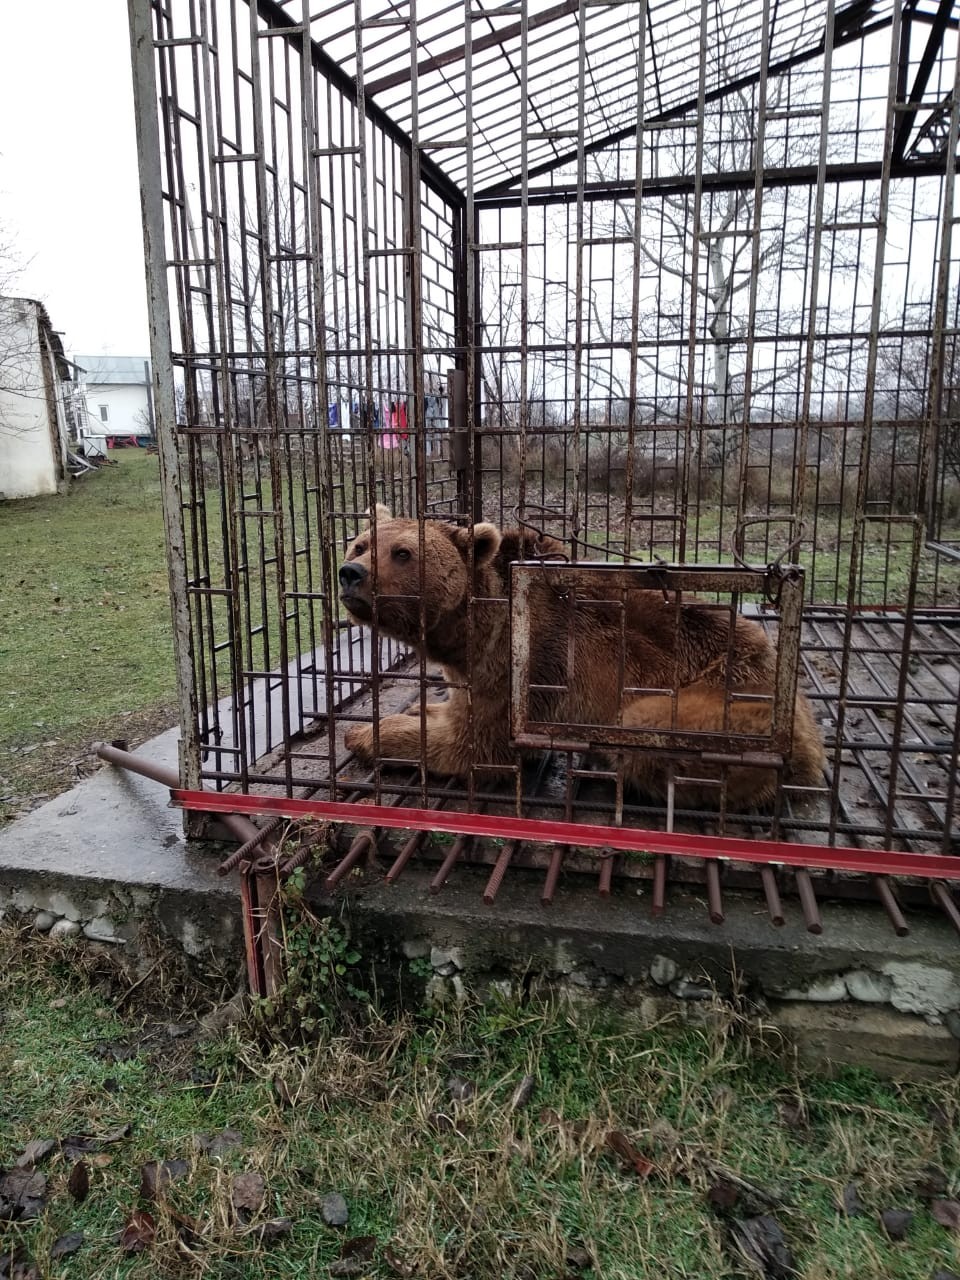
(405,578)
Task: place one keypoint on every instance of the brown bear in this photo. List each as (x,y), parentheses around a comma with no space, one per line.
(656,646)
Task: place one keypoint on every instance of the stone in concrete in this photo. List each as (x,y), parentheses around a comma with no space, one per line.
(64,929)
(663,970)
(44,921)
(112,848)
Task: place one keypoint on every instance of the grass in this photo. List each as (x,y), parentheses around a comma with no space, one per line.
(85,647)
(444,1189)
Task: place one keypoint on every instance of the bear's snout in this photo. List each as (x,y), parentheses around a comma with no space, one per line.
(351,575)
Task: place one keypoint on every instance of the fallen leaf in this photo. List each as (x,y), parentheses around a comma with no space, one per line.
(578,1258)
(523,1093)
(78,1184)
(761,1242)
(347,1267)
(723,1194)
(155,1177)
(947,1213)
(66,1245)
(282,1090)
(896,1222)
(248,1191)
(624,1148)
(851,1203)
(793,1114)
(397,1264)
(460,1090)
(931,1182)
(22,1194)
(273,1229)
(360,1247)
(37,1149)
(217,1144)
(333,1209)
(139,1233)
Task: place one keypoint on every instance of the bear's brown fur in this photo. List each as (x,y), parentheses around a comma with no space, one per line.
(692,650)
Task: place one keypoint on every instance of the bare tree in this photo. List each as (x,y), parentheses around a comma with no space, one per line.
(19,363)
(740,241)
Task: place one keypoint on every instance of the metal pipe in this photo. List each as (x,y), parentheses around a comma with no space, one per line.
(714,896)
(808,901)
(238,825)
(772,894)
(891,906)
(943,897)
(456,849)
(553,875)
(659,886)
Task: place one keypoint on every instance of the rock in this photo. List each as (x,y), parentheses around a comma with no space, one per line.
(100,929)
(64,929)
(952,1023)
(684,989)
(822,990)
(871,988)
(44,921)
(446,960)
(416,948)
(663,970)
(333,1209)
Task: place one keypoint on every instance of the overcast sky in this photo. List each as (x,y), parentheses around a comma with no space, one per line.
(68,170)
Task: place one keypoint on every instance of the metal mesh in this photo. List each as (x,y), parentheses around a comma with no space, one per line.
(676,287)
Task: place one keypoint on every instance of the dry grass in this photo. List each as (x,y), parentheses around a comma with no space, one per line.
(439,1186)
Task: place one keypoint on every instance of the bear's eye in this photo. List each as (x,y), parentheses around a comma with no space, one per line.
(359,548)
(400,554)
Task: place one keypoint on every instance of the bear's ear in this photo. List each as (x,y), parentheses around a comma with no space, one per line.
(486,542)
(381,512)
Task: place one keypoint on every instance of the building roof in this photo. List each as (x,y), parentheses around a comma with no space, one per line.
(106,370)
(49,335)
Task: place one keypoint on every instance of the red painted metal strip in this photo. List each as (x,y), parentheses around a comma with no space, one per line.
(585,835)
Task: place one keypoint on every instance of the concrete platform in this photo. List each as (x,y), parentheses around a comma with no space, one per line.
(111,850)
(111,854)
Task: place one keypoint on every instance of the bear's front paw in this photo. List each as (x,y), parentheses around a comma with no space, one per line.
(359,740)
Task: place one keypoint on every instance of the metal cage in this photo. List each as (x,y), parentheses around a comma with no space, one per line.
(676,287)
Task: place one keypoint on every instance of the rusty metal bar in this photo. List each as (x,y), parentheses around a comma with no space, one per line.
(659,901)
(714,897)
(231,863)
(553,875)
(362,845)
(772,894)
(606,874)
(891,906)
(499,871)
(945,900)
(808,901)
(453,856)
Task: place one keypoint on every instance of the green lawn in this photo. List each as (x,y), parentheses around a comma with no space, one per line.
(85,647)
(410,1118)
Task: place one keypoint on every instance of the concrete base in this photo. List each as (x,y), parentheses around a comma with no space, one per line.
(111,853)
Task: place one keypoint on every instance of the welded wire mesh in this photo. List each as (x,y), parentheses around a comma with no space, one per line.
(673,286)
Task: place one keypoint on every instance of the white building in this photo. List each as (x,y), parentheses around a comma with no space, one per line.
(119,395)
(33,421)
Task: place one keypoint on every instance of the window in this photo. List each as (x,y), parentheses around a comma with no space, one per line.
(104,412)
